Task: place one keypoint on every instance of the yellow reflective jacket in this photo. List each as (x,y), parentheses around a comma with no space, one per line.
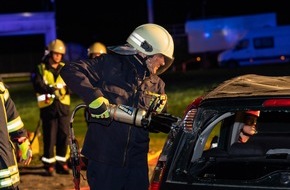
(54,82)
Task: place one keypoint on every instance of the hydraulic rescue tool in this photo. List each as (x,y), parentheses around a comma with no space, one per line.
(149,119)
(75,156)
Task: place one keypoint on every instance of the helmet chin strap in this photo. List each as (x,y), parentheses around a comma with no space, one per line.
(144,58)
(247,134)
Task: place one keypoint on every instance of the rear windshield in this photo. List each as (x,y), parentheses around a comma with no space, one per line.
(216,153)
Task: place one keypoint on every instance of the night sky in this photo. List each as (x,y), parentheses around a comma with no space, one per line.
(112,21)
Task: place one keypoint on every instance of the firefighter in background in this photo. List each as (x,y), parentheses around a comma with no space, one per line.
(96,49)
(53,99)
(12,130)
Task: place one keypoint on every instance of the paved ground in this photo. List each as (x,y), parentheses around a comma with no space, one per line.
(33,178)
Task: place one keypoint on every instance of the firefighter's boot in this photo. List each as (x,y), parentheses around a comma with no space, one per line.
(49,169)
(62,168)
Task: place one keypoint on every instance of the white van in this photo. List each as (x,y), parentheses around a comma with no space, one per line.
(261,46)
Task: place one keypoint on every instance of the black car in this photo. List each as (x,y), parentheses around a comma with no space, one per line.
(203,152)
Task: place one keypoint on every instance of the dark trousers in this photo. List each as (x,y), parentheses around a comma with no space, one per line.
(55,134)
(103,176)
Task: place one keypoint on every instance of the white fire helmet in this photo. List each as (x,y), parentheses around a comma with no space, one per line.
(153,39)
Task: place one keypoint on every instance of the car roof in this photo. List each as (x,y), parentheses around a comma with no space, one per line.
(251,85)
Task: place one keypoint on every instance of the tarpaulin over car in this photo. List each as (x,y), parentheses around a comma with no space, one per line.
(251,85)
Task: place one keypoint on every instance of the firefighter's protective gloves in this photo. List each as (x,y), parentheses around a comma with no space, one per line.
(26,152)
(162,122)
(98,108)
(159,101)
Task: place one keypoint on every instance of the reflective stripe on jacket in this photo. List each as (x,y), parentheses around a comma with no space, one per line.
(9,176)
(11,127)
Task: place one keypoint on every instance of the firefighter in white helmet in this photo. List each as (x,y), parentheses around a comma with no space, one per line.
(53,99)
(153,42)
(96,49)
(128,75)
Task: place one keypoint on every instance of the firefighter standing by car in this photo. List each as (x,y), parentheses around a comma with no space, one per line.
(12,131)
(128,75)
(54,102)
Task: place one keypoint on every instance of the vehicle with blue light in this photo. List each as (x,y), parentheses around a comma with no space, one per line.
(269,45)
(207,37)
(199,153)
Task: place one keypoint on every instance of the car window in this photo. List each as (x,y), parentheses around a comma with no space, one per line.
(224,158)
(218,139)
(212,141)
(207,134)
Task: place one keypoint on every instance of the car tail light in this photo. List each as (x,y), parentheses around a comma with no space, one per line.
(189,118)
(277,102)
(159,169)
(154,186)
(193,104)
(156,176)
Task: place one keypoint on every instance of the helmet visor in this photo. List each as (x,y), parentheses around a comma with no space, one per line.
(168,63)
(250,120)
